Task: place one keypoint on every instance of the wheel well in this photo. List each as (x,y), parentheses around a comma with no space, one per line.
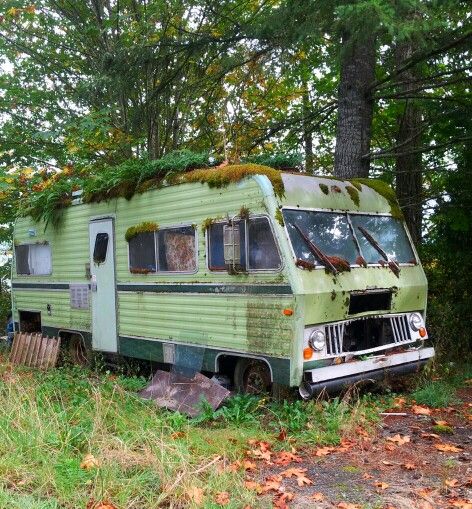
(226,363)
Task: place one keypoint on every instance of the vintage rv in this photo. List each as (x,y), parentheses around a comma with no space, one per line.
(306,282)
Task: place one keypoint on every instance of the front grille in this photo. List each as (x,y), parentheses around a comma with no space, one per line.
(371,333)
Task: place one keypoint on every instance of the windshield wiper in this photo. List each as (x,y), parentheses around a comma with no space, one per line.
(316,251)
(393,265)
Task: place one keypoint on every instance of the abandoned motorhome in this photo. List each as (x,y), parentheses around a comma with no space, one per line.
(296,280)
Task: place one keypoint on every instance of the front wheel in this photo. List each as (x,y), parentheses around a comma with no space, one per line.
(252,376)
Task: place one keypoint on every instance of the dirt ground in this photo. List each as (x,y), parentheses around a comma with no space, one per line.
(416,458)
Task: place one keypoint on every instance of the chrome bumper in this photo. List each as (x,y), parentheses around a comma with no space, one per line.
(334,378)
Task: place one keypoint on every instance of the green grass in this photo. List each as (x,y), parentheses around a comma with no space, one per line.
(148,457)
(436,394)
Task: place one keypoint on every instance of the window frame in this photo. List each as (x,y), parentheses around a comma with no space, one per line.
(246,248)
(156,251)
(45,243)
(351,212)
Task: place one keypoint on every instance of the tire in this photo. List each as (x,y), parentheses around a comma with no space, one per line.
(78,352)
(252,376)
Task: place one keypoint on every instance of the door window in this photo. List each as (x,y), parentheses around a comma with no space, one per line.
(100,248)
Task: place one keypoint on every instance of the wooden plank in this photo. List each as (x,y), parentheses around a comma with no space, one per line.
(37,346)
(47,357)
(24,350)
(41,353)
(30,349)
(57,346)
(14,347)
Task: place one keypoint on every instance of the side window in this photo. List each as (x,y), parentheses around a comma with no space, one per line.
(216,258)
(177,250)
(33,259)
(167,250)
(261,250)
(100,248)
(142,253)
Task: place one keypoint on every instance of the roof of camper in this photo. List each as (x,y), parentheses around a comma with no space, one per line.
(367,195)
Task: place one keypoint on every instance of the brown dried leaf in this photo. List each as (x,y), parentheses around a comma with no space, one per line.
(270,484)
(324,451)
(280,500)
(252,485)
(452,483)
(195,495)
(447,448)
(89,462)
(284,458)
(409,466)
(421,410)
(348,505)
(461,503)
(399,440)
(381,485)
(317,497)
(441,423)
(222,498)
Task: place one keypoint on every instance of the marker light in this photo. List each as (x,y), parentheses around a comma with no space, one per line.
(422,332)
(288,312)
(308,353)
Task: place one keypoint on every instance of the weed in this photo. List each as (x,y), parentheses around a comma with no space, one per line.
(435,394)
(444,429)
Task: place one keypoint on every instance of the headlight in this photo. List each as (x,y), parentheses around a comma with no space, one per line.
(317,340)
(416,322)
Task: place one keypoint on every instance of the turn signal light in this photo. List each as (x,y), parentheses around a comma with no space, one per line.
(422,332)
(288,312)
(308,353)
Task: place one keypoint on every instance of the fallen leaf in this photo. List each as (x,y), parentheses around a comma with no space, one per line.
(421,410)
(104,505)
(317,497)
(389,447)
(382,485)
(424,504)
(399,402)
(299,473)
(441,423)
(430,435)
(424,492)
(367,476)
(388,463)
(348,505)
(463,504)
(447,448)
(222,498)
(89,462)
(409,466)
(284,458)
(282,436)
(252,485)
(177,434)
(452,483)
(195,495)
(399,440)
(324,451)
(280,500)
(271,484)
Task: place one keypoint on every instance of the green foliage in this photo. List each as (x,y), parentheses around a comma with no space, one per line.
(281,161)
(143,227)
(279,217)
(436,394)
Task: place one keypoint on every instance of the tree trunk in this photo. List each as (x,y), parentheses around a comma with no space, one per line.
(307,134)
(355,107)
(408,166)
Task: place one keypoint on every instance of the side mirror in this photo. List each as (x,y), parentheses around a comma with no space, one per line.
(232,247)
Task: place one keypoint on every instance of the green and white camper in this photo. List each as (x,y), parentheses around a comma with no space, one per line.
(270,277)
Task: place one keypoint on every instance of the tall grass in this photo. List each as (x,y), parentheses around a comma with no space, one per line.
(148,457)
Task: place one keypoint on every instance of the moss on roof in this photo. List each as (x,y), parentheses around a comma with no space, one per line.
(223,176)
(382,188)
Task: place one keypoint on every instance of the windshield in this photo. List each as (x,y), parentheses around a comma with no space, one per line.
(331,233)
